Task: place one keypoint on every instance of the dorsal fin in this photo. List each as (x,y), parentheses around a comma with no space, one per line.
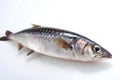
(35,26)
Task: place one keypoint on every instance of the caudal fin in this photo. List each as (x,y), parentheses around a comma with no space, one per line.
(7,33)
(5,38)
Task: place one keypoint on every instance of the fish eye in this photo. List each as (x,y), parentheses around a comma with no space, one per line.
(97,48)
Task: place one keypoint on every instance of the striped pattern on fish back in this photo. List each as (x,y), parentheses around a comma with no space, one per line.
(49,33)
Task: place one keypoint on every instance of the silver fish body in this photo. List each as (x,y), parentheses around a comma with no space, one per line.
(60,43)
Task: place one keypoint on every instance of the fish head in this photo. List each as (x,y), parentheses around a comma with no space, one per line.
(90,51)
(95,52)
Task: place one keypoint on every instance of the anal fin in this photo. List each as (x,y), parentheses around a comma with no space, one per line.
(20,46)
(30,52)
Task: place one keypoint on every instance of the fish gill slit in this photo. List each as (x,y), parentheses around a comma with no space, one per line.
(82,52)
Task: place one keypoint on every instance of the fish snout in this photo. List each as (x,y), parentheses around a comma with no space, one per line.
(106,54)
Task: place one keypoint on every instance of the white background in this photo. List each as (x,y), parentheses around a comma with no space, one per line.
(99,20)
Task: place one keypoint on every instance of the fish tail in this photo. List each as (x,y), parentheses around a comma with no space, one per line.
(5,38)
(7,33)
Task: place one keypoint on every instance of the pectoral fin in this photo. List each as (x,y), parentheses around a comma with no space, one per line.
(20,46)
(35,26)
(62,43)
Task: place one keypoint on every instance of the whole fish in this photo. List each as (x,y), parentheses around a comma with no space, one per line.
(58,43)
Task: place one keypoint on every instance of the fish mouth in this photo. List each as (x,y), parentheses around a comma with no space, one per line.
(107,55)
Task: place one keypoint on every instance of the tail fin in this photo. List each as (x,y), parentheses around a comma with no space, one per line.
(7,33)
(5,38)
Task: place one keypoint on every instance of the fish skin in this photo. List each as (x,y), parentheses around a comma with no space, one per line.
(70,45)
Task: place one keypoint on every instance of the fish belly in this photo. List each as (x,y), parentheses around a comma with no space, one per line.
(43,46)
